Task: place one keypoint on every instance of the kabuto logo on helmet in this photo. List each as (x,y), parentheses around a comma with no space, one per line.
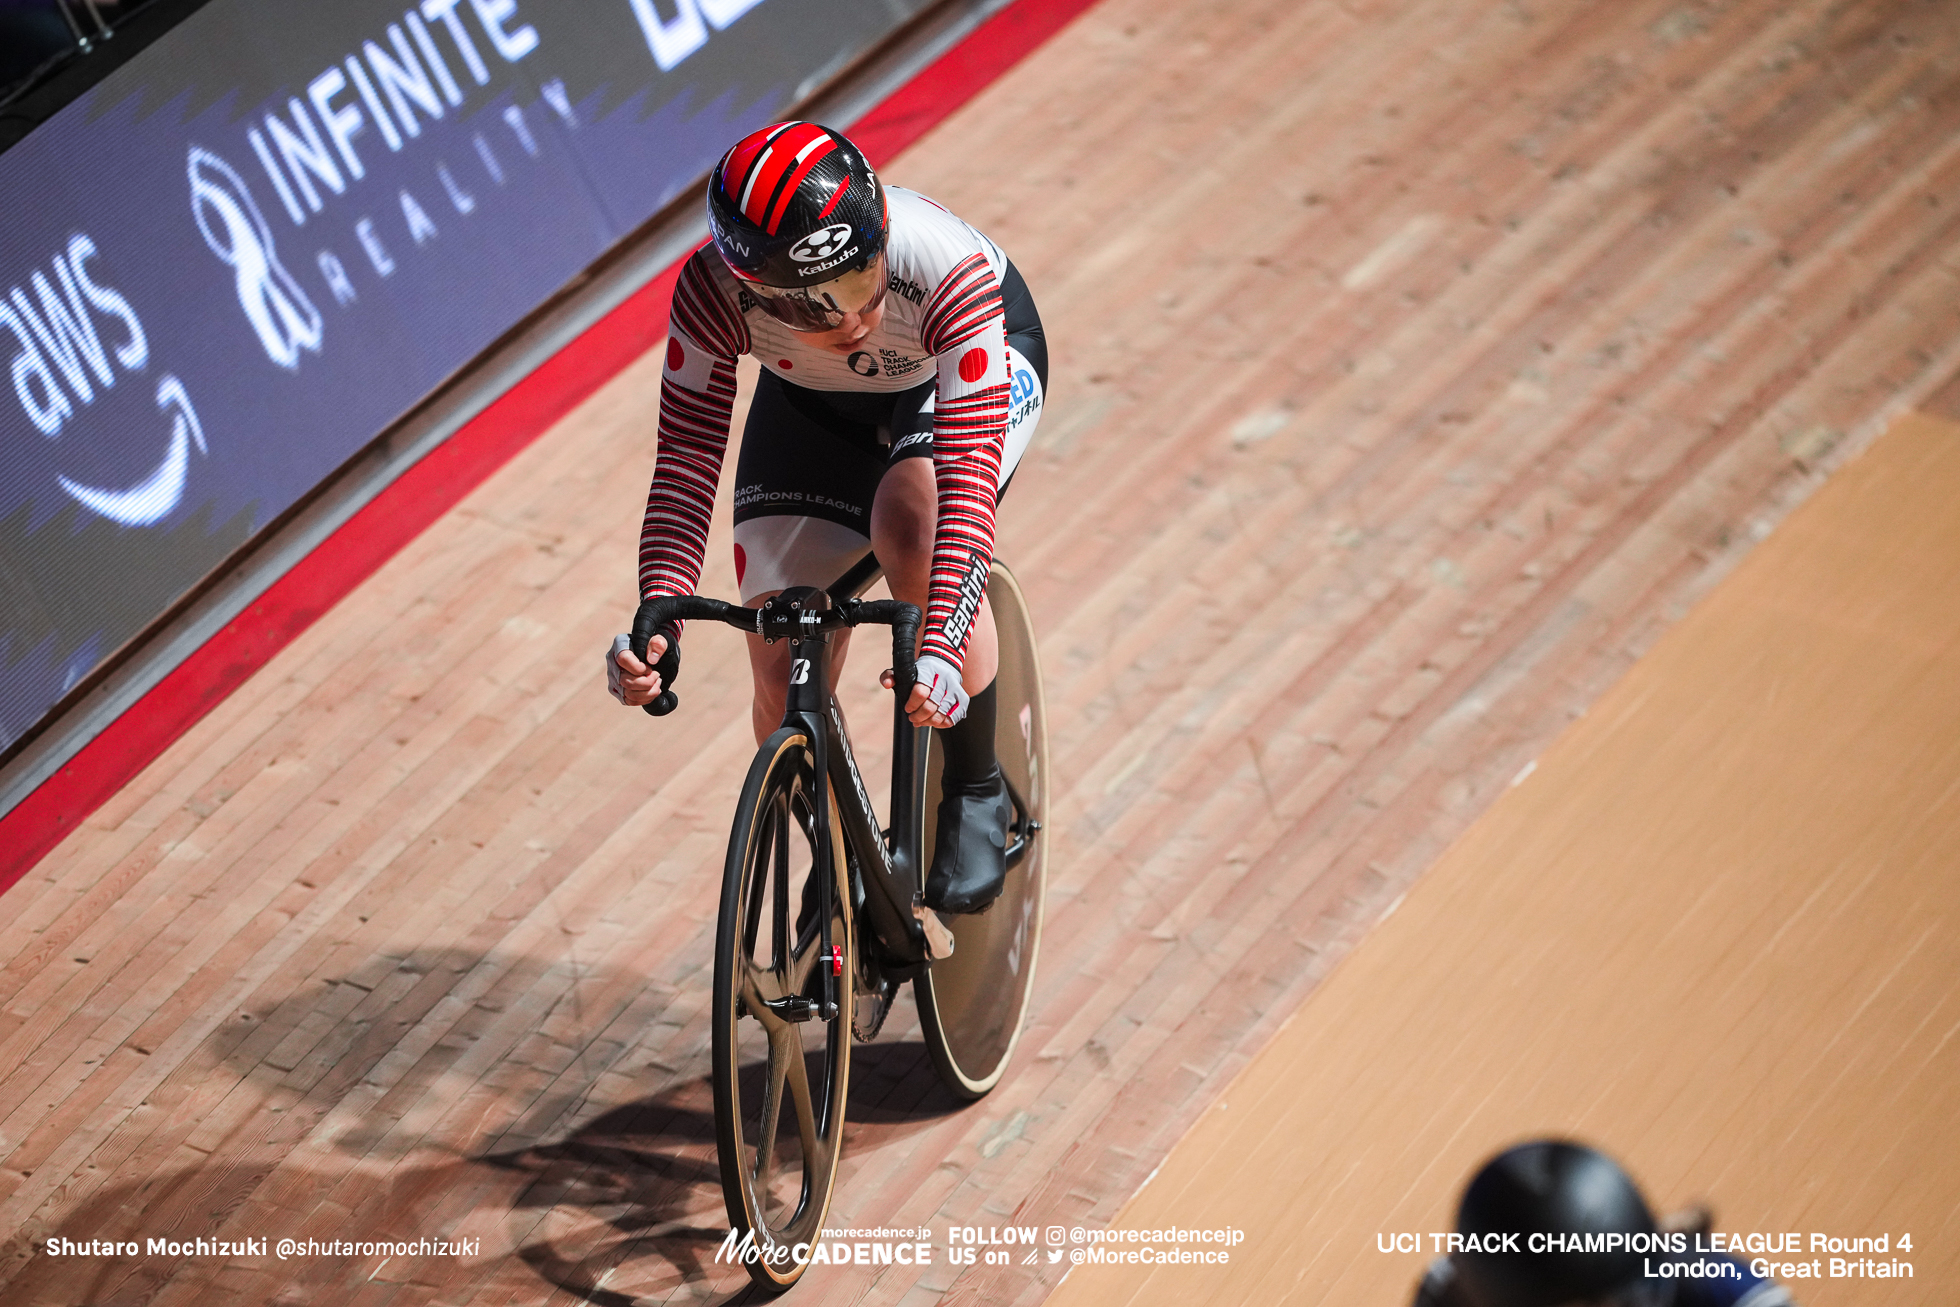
(822,243)
(812,269)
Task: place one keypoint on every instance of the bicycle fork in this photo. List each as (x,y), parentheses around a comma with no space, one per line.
(809,685)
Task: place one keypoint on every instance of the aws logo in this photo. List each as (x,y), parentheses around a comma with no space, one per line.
(57,332)
(68,354)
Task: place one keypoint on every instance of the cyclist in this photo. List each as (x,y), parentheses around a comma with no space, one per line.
(1558,1188)
(903,368)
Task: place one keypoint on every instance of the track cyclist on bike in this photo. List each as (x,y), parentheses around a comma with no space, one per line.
(903,368)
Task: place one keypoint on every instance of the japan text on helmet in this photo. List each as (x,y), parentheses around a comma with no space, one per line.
(800,217)
(1555,1188)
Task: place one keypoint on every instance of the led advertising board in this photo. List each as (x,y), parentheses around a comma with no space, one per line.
(246,253)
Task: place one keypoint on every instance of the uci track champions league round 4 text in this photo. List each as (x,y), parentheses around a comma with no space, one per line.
(249,250)
(1778,1255)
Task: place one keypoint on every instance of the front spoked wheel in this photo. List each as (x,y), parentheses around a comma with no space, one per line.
(781,1062)
(973,1003)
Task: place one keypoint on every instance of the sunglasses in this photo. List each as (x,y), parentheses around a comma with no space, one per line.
(823,307)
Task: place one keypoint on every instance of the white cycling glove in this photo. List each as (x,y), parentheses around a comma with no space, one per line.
(943,689)
(615,674)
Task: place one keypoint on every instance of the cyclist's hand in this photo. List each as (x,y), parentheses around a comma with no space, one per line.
(916,707)
(937,698)
(631,681)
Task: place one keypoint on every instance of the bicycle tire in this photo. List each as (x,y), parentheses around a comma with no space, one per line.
(972,1005)
(758,976)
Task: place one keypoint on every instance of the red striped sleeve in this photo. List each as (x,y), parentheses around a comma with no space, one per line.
(697,397)
(703,312)
(968,433)
(961,304)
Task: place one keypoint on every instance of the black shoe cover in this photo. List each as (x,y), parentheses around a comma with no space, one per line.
(969,857)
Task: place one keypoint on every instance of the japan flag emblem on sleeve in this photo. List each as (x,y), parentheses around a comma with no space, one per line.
(980,365)
(688,364)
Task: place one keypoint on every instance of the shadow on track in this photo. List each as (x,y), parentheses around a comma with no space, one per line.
(300,1118)
(635,1193)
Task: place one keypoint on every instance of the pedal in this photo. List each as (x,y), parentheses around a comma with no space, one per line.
(939,940)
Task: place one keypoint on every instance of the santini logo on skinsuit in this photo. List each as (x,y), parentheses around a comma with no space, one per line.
(973,588)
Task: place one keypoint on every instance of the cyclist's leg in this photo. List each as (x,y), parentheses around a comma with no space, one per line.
(972,1003)
(769,663)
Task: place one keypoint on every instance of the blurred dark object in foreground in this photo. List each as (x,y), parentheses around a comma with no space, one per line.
(33,34)
(1532,1220)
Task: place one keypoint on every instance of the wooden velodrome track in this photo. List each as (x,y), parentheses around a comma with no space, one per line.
(1713,932)
(1416,364)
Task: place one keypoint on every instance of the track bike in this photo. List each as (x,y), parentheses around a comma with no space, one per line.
(821,919)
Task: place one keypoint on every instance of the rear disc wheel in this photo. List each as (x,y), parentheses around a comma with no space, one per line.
(972,1004)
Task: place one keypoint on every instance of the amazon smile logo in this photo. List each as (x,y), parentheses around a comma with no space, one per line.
(152,498)
(75,338)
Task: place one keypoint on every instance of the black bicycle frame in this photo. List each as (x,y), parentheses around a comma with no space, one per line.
(887,867)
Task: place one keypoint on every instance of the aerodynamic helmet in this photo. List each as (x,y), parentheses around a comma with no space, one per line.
(800,217)
(1555,1188)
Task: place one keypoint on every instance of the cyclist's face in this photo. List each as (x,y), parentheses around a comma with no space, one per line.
(855,327)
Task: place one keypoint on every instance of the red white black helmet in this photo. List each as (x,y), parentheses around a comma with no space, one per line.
(800,217)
